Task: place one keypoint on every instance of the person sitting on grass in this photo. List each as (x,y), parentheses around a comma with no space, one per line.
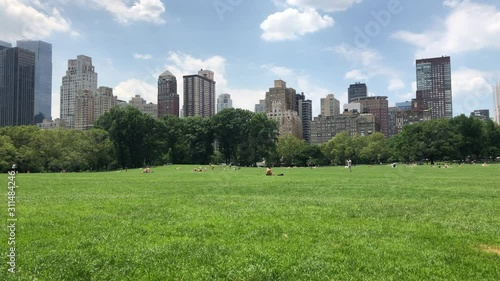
(269,172)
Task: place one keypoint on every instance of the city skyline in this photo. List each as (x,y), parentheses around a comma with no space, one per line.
(325,48)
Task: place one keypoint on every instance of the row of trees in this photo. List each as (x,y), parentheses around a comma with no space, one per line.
(126,138)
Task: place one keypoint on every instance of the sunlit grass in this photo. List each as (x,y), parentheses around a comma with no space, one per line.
(376,223)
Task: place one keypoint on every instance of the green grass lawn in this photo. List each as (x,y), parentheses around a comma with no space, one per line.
(376,223)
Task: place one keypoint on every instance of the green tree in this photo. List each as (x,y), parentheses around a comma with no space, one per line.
(7,153)
(375,150)
(289,148)
(231,127)
(128,129)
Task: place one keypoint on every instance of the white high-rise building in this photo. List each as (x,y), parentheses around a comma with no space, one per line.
(496,91)
(80,75)
(224,101)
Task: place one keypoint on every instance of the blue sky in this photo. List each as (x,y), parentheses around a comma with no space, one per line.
(317,46)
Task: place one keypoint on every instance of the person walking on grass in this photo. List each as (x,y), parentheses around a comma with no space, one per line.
(349,165)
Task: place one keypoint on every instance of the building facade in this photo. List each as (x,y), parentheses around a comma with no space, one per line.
(224,101)
(80,75)
(379,107)
(323,129)
(357,90)
(168,99)
(483,114)
(147,108)
(434,91)
(84,110)
(104,101)
(305,113)
(281,106)
(5,45)
(330,106)
(408,117)
(260,107)
(43,75)
(355,107)
(17,86)
(404,105)
(199,94)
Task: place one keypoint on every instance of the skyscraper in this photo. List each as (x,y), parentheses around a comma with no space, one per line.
(434,87)
(281,106)
(199,94)
(357,90)
(168,99)
(104,101)
(224,101)
(80,75)
(17,86)
(43,75)
(496,91)
(84,110)
(305,113)
(5,45)
(260,107)
(379,107)
(330,106)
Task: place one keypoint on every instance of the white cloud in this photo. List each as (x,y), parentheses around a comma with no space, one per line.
(292,23)
(396,85)
(279,71)
(141,10)
(128,89)
(325,5)
(365,63)
(19,21)
(470,26)
(356,74)
(364,57)
(143,56)
(471,90)
(414,86)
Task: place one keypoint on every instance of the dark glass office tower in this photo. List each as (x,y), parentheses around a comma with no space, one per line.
(43,74)
(358,90)
(17,86)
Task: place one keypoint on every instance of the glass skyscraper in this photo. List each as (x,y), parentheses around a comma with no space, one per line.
(43,75)
(358,90)
(17,87)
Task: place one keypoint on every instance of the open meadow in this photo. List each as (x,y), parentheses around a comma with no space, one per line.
(376,223)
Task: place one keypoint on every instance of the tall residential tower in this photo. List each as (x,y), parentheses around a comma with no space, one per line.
(199,94)
(330,106)
(80,75)
(281,106)
(434,87)
(168,99)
